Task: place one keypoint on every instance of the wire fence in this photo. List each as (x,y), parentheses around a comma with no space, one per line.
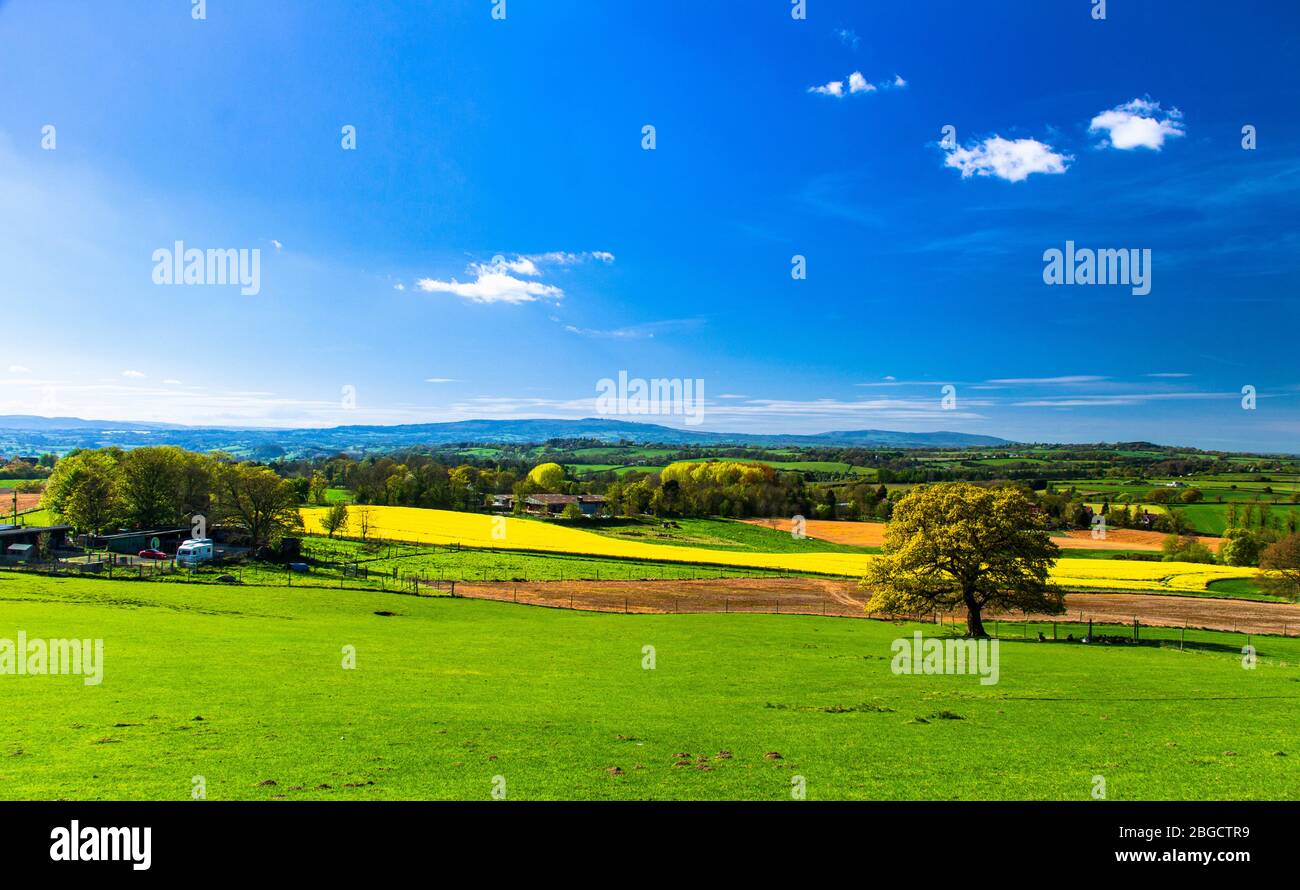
(837,599)
(637,588)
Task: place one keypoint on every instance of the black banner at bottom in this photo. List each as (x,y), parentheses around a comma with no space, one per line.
(334,840)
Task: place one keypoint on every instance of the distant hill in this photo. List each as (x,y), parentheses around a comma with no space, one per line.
(28,434)
(35,422)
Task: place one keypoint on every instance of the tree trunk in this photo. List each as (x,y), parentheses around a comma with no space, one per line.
(974,623)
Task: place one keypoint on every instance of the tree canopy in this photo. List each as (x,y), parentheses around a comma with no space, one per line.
(165,487)
(960,545)
(1282,561)
(548,477)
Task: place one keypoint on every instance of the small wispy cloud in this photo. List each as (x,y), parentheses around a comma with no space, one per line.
(508,279)
(848,37)
(1013,160)
(562,258)
(491,286)
(645,331)
(855,84)
(19,369)
(440,380)
(1140,123)
(834,88)
(132,374)
(1121,400)
(1037,381)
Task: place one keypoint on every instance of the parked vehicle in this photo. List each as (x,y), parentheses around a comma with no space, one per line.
(152,554)
(194,552)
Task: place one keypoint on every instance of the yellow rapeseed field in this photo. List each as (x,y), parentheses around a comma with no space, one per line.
(507,533)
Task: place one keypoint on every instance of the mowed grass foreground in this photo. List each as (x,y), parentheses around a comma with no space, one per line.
(447,694)
(422,526)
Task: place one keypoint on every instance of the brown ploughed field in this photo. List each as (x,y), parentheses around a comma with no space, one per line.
(818,596)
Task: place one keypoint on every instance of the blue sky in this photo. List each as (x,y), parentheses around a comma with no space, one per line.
(522,139)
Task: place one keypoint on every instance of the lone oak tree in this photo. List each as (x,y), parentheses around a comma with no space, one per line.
(958,544)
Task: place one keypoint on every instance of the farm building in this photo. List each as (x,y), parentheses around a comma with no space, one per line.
(134,542)
(20,552)
(553,504)
(11,535)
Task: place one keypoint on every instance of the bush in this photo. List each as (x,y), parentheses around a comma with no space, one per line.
(1185,548)
(1243,547)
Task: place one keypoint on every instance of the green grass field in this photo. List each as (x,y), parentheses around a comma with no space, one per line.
(448,694)
(37,518)
(387,565)
(720,534)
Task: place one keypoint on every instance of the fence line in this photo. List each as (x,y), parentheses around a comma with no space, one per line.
(651,601)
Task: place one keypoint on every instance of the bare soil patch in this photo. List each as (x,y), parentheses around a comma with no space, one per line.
(872,534)
(26,501)
(817,596)
(856,534)
(1122,539)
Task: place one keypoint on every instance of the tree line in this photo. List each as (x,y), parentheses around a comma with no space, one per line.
(105,490)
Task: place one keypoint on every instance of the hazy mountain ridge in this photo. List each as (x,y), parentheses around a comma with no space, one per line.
(29,434)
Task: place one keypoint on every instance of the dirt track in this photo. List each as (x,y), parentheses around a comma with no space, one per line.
(26,500)
(872,534)
(813,596)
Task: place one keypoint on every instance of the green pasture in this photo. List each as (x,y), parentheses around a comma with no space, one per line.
(245,689)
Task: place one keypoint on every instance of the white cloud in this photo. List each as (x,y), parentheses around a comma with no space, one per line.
(1122,400)
(834,88)
(1012,160)
(848,37)
(497,281)
(562,258)
(171,382)
(19,369)
(492,284)
(857,84)
(399,286)
(440,380)
(133,374)
(519,265)
(1074,378)
(643,331)
(899,82)
(1138,124)
(277,244)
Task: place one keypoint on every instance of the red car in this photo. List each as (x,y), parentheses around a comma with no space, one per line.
(152,554)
